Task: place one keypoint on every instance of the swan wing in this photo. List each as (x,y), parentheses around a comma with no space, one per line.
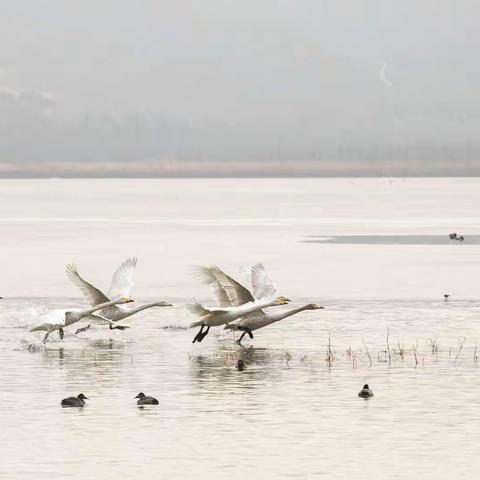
(93,295)
(198,309)
(206,275)
(236,292)
(263,286)
(123,279)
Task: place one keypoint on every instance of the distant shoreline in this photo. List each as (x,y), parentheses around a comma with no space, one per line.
(232,169)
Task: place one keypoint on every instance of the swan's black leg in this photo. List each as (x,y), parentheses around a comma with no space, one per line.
(198,336)
(60,332)
(83,329)
(245,330)
(239,341)
(204,334)
(45,337)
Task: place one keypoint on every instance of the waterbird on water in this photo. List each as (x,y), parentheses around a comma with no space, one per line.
(240,366)
(234,300)
(445,296)
(146,400)
(365,392)
(78,401)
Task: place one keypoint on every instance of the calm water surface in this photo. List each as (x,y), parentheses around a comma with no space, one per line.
(294,412)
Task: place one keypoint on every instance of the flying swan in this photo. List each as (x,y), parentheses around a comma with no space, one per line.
(122,284)
(261,282)
(234,300)
(74,316)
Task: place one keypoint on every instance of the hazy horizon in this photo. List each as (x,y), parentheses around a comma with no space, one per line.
(225,88)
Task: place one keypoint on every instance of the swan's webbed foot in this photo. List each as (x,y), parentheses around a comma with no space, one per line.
(83,329)
(198,336)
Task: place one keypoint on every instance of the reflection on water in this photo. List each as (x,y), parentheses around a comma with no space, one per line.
(294,411)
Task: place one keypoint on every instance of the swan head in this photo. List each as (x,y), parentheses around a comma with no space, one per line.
(140,395)
(82,397)
(314,306)
(161,303)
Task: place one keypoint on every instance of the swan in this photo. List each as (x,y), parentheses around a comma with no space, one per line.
(123,282)
(260,319)
(227,289)
(74,316)
(216,316)
(230,293)
(78,401)
(233,297)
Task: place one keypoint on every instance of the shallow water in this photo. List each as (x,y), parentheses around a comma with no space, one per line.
(294,412)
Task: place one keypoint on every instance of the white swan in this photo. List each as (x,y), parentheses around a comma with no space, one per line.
(216,316)
(230,293)
(260,319)
(227,289)
(234,300)
(74,316)
(122,284)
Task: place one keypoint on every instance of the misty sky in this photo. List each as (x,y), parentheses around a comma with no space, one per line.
(212,77)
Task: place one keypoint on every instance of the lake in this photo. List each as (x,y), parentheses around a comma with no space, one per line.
(374,252)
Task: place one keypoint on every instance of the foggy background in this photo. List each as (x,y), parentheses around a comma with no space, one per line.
(229,87)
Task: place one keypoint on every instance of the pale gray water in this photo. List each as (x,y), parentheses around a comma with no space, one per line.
(291,413)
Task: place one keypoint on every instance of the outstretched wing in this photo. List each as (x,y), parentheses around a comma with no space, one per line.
(263,286)
(236,292)
(206,275)
(123,279)
(198,309)
(92,294)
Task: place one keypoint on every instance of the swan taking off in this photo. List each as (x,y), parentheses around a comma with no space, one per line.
(230,292)
(122,284)
(234,300)
(260,319)
(74,316)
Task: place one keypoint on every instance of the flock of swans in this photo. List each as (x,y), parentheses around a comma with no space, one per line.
(237,309)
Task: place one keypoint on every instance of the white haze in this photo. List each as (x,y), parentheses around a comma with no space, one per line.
(222,80)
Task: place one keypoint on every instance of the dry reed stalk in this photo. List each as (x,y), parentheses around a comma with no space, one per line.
(460,347)
(415,354)
(367,352)
(388,347)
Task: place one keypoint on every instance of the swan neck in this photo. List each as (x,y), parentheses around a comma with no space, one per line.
(280,316)
(131,311)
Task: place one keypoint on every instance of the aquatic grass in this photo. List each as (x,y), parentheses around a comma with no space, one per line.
(330,357)
(460,347)
(367,352)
